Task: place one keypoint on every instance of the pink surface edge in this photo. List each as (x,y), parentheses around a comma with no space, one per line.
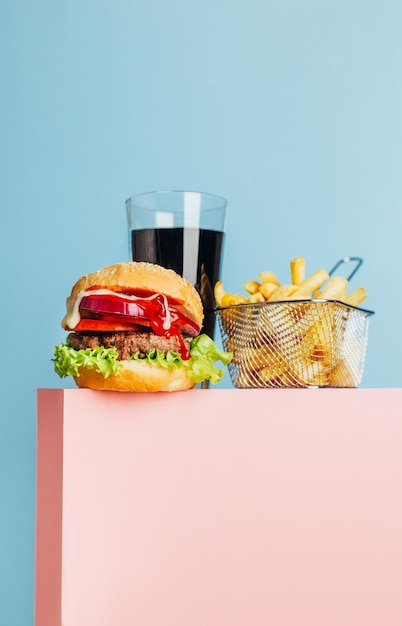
(49,495)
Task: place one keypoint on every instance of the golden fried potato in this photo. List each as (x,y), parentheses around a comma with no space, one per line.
(229,299)
(283,292)
(267,289)
(316,280)
(279,373)
(254,358)
(297,270)
(356,297)
(268,277)
(252,286)
(219,292)
(256,297)
(335,289)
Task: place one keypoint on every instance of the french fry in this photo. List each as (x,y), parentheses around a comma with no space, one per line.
(268,277)
(247,378)
(314,374)
(254,358)
(252,286)
(229,299)
(249,360)
(219,292)
(278,373)
(297,270)
(256,297)
(267,289)
(289,316)
(335,289)
(316,280)
(322,330)
(275,364)
(317,342)
(274,373)
(356,297)
(312,367)
(229,320)
(283,292)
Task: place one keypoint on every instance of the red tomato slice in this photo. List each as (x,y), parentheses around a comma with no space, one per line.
(104,326)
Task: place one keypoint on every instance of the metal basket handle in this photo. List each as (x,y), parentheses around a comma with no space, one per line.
(347,259)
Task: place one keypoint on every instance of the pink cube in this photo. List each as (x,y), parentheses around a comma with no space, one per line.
(219,507)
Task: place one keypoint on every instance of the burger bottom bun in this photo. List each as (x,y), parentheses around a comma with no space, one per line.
(136,376)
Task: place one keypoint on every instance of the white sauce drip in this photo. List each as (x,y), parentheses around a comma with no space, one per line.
(72,317)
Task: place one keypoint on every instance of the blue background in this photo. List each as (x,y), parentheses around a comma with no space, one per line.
(291,109)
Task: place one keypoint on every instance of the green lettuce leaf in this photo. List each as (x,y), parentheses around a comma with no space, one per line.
(204,354)
(201,366)
(158,357)
(67,360)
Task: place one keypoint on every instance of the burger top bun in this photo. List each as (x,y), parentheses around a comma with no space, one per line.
(137,376)
(131,276)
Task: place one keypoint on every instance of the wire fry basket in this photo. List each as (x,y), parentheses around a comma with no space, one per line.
(295,343)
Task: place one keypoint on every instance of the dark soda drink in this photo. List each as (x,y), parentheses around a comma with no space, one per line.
(191,252)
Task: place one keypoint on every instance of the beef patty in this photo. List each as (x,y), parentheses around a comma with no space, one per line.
(127,342)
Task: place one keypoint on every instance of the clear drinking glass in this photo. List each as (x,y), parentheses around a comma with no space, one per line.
(183,231)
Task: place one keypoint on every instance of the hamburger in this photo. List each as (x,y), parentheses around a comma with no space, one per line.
(136,327)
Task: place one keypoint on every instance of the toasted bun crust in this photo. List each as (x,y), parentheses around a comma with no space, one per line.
(131,276)
(137,376)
